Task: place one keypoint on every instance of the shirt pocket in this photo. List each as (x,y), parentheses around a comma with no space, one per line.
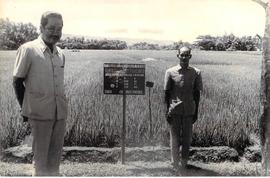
(37,95)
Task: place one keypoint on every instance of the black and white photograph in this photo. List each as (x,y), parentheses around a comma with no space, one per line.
(136,88)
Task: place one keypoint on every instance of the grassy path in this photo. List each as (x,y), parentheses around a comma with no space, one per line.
(139,169)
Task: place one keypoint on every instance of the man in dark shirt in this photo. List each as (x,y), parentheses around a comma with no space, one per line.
(182,86)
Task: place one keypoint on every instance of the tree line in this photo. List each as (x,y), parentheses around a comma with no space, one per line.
(82,43)
(12,35)
(229,43)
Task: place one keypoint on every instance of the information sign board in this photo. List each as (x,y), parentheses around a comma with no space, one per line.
(120,77)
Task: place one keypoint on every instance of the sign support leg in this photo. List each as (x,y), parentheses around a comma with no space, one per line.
(123,129)
(150,115)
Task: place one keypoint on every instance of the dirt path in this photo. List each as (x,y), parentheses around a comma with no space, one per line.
(139,168)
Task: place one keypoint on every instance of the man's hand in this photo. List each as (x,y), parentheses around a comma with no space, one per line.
(168,118)
(25,119)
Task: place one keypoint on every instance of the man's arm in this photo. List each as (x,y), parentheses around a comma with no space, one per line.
(167,88)
(167,99)
(20,71)
(167,91)
(196,94)
(167,105)
(19,89)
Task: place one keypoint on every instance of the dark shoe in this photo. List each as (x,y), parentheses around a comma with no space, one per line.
(175,168)
(184,168)
(184,164)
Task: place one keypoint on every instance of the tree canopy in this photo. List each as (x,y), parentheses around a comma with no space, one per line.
(12,35)
(229,42)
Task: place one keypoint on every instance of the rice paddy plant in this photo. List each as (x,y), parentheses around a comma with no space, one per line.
(12,129)
(228,114)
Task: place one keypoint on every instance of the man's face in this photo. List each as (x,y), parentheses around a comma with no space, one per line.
(184,56)
(52,31)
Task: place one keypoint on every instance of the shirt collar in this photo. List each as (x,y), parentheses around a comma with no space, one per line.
(44,47)
(179,67)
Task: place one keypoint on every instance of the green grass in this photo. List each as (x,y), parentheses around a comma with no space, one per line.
(229,107)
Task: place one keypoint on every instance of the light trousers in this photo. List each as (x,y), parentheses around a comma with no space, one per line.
(48,140)
(180,134)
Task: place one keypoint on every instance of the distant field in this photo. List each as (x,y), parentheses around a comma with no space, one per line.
(229,106)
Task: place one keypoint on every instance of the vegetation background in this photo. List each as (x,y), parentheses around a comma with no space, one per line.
(229,107)
(12,35)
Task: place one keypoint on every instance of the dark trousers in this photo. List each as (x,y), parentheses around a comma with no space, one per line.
(180,134)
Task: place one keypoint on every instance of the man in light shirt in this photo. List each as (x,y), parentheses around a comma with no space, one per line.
(182,86)
(38,80)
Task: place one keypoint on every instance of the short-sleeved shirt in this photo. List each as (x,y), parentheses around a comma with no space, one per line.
(181,85)
(44,96)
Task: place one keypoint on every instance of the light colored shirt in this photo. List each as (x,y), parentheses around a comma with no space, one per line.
(181,85)
(44,96)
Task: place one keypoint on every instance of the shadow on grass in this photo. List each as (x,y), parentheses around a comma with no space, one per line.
(197,171)
(191,170)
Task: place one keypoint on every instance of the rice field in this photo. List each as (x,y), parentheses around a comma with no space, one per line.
(228,114)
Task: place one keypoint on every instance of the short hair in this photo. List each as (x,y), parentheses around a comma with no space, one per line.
(45,16)
(184,49)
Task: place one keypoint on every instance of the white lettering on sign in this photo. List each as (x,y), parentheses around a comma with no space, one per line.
(128,77)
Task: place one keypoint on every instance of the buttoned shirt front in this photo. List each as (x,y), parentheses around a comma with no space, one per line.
(44,80)
(181,84)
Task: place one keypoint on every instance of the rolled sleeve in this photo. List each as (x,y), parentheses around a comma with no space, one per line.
(22,63)
(167,81)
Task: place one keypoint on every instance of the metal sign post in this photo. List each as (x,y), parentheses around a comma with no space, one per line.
(124,79)
(123,137)
(149,85)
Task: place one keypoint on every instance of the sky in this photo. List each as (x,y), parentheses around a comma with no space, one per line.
(172,20)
